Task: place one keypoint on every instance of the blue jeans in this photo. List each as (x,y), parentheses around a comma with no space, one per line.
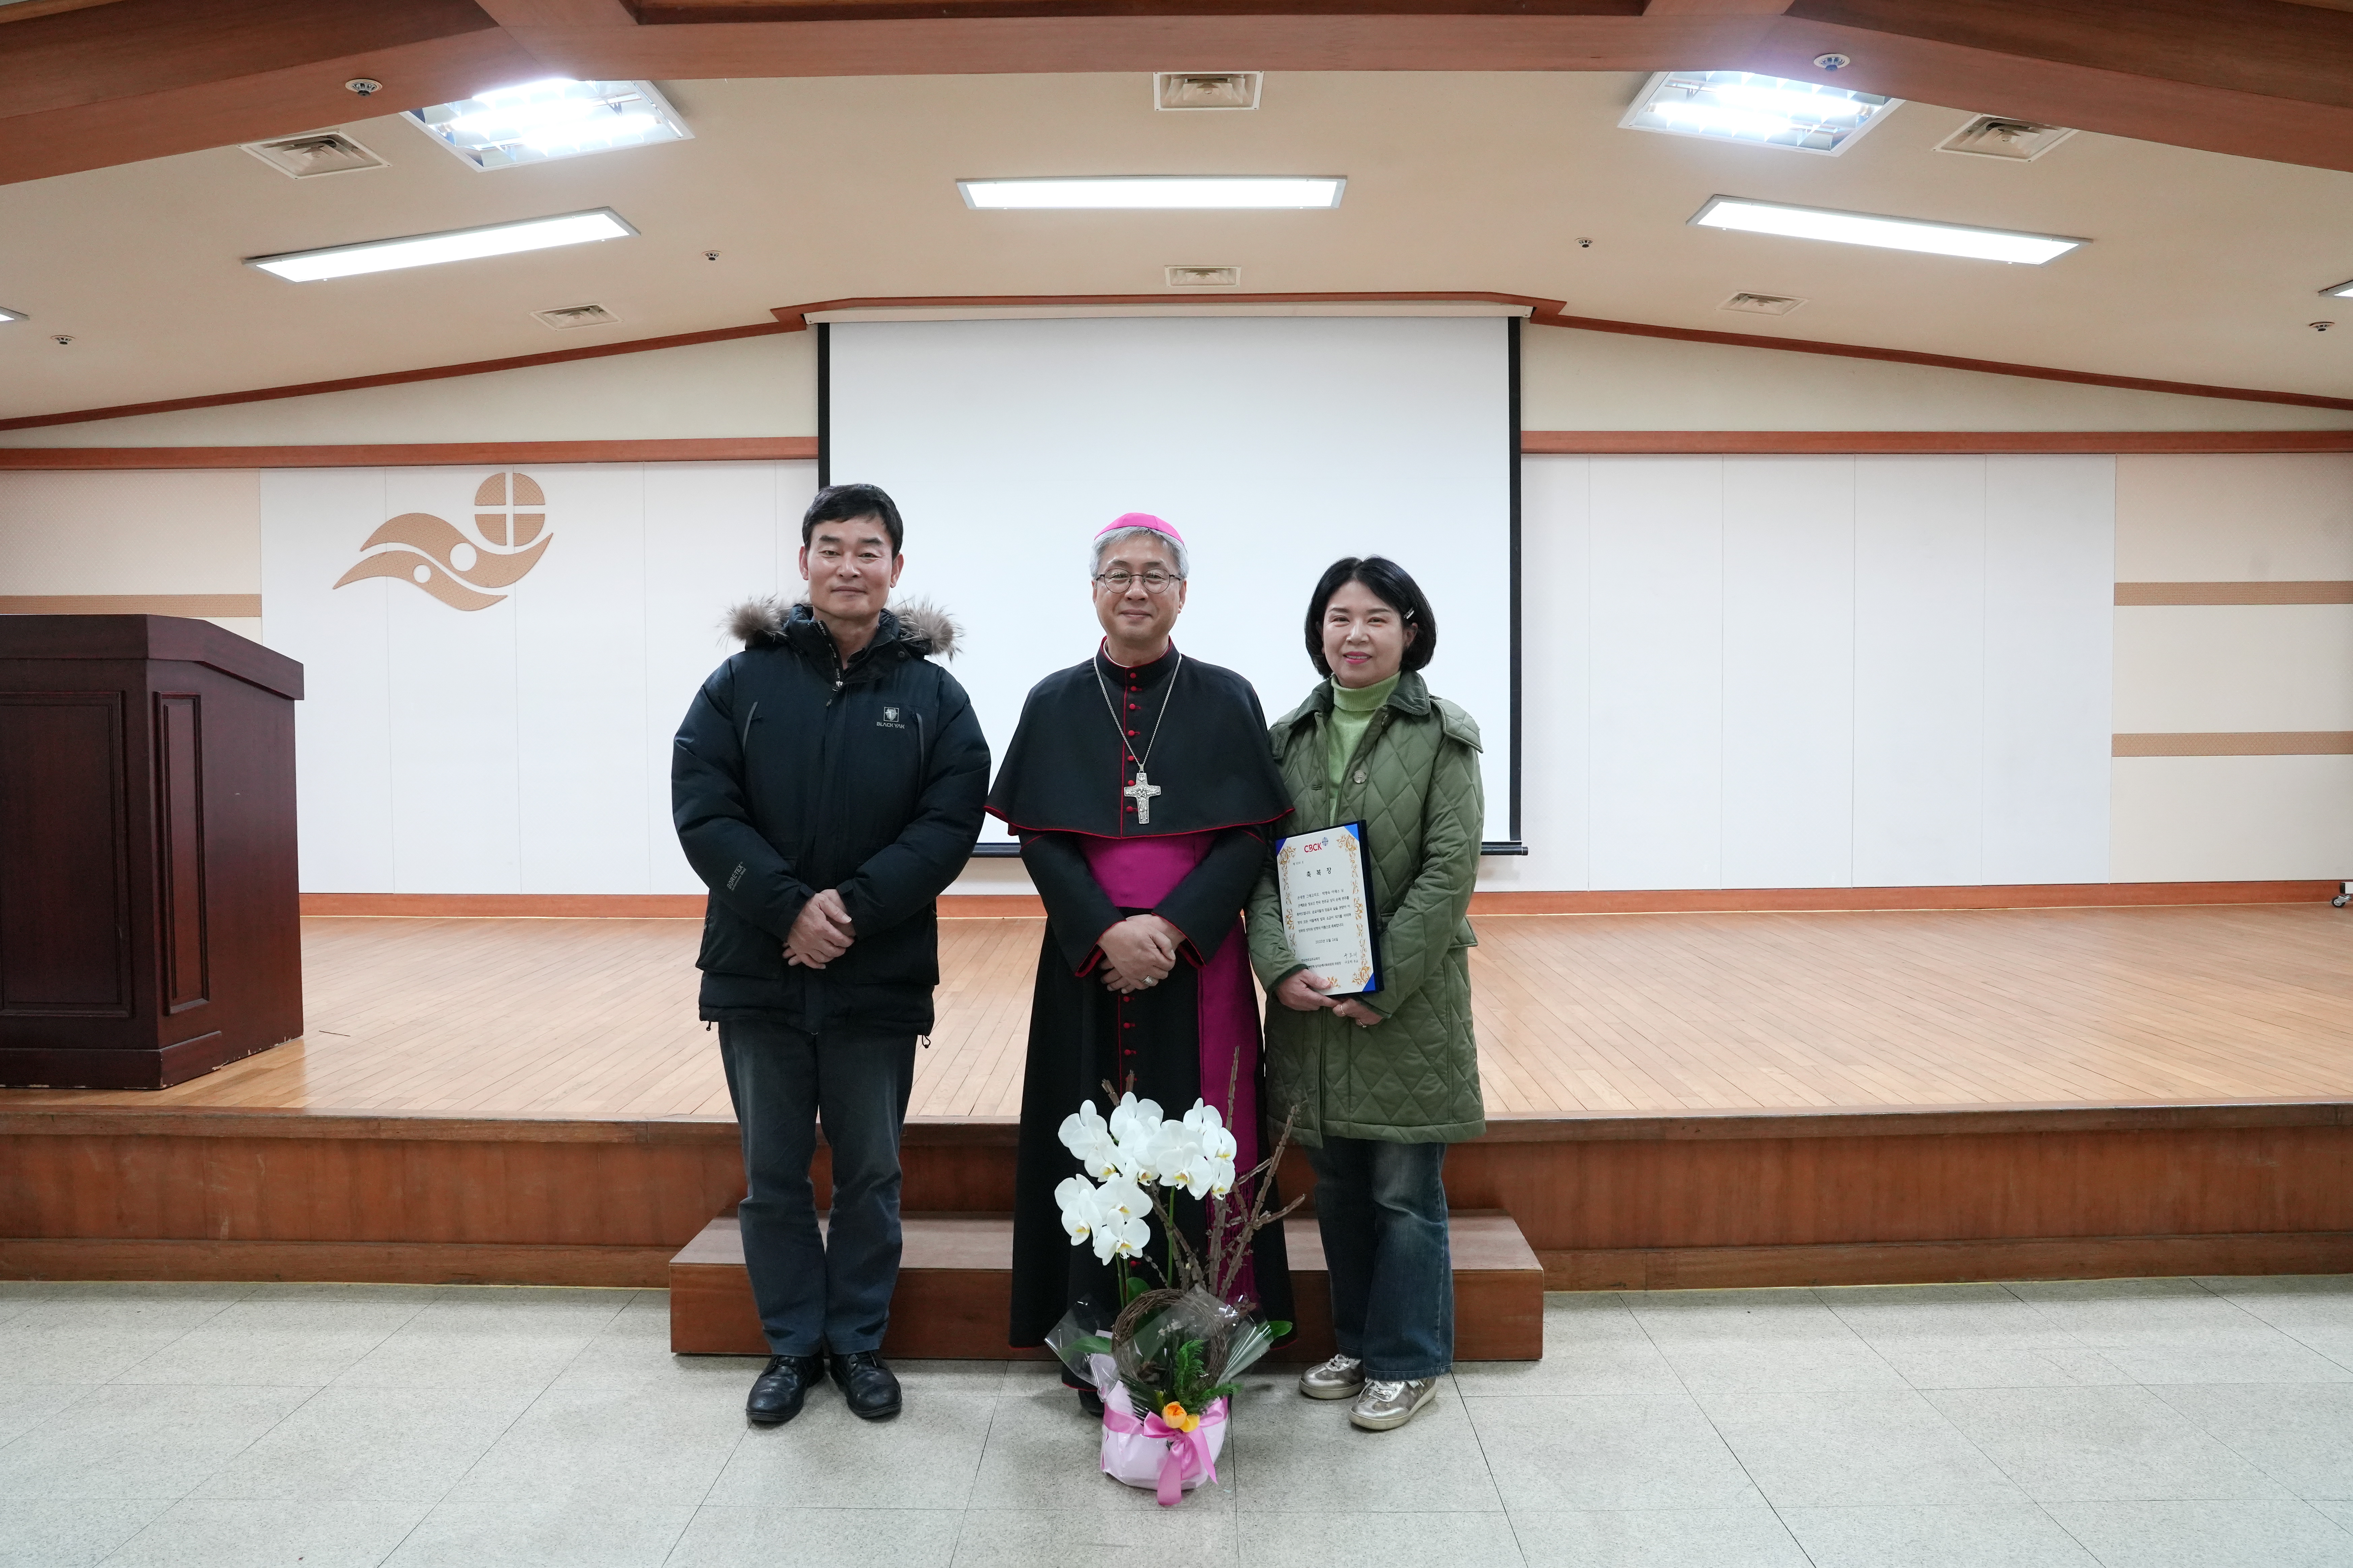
(1382,1209)
(831,1292)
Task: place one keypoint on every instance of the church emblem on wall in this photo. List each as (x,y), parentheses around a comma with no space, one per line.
(510,517)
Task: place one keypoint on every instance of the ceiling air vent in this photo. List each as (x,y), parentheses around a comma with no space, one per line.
(577,316)
(1761,304)
(1204,276)
(320,152)
(1205,89)
(1991,136)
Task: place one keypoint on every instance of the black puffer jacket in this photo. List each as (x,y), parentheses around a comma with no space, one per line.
(792,774)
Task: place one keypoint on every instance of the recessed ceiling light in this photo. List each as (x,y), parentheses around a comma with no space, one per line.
(6,315)
(558,118)
(457,244)
(2343,290)
(1183,277)
(1764,110)
(1164,191)
(1887,233)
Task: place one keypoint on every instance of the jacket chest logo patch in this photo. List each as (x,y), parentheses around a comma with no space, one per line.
(890,720)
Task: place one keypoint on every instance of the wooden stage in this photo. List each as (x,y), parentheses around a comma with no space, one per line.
(1674,1099)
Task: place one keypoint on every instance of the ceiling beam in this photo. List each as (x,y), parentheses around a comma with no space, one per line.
(142,79)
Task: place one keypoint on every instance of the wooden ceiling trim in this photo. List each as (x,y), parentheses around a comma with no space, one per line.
(1553,313)
(138,48)
(246,109)
(25,10)
(2259,46)
(393,378)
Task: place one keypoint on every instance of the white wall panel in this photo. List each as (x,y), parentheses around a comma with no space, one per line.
(2049,650)
(1554,761)
(580,651)
(1657,597)
(1788,672)
(715,534)
(2214,819)
(456,801)
(312,523)
(1920,670)
(2233,667)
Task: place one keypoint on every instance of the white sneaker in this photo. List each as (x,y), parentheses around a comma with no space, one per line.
(1338,1378)
(1384,1405)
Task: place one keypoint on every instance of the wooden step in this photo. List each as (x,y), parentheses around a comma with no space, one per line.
(955,1288)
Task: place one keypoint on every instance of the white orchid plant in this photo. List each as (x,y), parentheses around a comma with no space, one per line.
(1180,1347)
(1135,1162)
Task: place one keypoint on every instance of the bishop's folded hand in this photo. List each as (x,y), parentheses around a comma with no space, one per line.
(1138,951)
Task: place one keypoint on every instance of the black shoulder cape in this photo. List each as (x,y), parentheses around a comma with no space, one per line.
(1066,767)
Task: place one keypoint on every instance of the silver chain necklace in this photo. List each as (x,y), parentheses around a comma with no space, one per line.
(1142,791)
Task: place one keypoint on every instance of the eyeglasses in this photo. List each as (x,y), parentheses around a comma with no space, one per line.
(1118,579)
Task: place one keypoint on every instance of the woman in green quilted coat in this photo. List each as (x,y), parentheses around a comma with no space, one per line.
(1384,1081)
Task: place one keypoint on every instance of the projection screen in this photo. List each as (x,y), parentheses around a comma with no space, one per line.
(1275,444)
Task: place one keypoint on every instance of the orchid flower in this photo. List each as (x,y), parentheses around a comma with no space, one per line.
(1086,1136)
(1204,1117)
(1121,1197)
(1221,1178)
(1134,1118)
(1181,1160)
(1121,1236)
(1218,1144)
(1082,1204)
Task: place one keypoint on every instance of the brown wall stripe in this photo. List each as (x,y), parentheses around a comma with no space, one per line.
(1532,443)
(1855,443)
(1676,900)
(2313,593)
(419,454)
(228,607)
(2238,743)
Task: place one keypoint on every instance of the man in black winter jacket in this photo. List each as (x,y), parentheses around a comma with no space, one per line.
(826,784)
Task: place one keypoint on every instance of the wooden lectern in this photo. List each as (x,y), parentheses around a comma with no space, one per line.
(150,920)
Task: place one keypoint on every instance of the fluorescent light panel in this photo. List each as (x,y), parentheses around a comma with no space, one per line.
(1886,233)
(1763,111)
(457,244)
(540,122)
(7,315)
(1166,192)
(2342,291)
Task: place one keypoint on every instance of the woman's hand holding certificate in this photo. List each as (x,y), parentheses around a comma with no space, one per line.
(1325,883)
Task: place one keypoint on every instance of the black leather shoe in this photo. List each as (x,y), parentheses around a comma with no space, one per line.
(869,1385)
(1090,1404)
(777,1393)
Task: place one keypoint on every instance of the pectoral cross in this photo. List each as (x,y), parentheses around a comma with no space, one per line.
(1140,792)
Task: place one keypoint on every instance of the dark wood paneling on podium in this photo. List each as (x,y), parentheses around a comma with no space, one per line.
(149,923)
(65,895)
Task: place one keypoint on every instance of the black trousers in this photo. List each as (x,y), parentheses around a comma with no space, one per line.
(830,1292)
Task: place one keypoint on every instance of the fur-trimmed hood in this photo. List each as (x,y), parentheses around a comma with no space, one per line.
(922,626)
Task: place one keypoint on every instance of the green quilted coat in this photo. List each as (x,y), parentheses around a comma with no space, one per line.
(1414,781)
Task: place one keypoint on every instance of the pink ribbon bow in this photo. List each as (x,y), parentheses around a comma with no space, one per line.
(1187,1453)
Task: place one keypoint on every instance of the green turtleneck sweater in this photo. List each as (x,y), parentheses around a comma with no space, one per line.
(1353,707)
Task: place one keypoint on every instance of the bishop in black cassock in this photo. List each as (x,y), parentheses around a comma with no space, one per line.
(1136,788)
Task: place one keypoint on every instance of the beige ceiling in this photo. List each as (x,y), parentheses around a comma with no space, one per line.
(2204,268)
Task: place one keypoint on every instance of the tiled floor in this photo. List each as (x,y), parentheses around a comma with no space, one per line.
(2130,1424)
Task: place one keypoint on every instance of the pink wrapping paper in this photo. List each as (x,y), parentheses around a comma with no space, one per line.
(1145,1452)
